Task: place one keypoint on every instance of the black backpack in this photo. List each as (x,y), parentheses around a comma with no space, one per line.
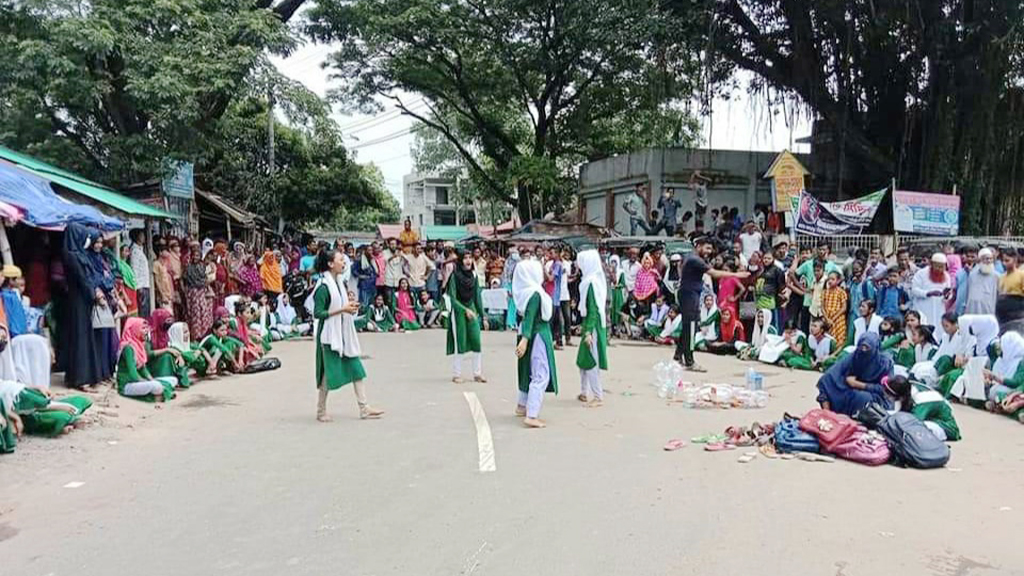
(912,443)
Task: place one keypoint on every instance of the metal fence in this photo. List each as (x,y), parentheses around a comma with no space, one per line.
(845,244)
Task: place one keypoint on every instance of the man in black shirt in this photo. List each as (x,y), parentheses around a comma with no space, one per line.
(691,284)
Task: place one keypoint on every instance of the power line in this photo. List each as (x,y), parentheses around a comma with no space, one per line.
(386,138)
(381,122)
(387,113)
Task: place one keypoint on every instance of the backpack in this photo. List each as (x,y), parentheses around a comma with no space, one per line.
(790,438)
(869,448)
(912,443)
(262,365)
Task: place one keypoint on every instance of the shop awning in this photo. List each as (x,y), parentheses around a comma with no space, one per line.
(41,206)
(444,232)
(237,214)
(82,186)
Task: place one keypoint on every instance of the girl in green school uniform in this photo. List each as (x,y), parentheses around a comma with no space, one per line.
(535,348)
(337,344)
(466,317)
(592,356)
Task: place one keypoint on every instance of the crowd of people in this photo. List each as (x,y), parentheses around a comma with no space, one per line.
(202,308)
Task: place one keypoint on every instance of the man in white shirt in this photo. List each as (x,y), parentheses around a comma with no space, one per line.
(420,267)
(632,268)
(564,296)
(140,266)
(750,239)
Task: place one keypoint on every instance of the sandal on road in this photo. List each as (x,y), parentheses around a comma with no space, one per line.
(674,444)
(708,438)
(719,447)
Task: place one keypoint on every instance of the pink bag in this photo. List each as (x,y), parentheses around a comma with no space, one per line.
(830,428)
(869,448)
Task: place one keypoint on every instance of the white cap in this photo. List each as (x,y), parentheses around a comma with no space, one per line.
(985,252)
(939,258)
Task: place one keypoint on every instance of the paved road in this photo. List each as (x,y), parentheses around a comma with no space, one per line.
(235,477)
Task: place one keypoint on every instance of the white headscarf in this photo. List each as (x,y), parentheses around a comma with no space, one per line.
(592,276)
(207,246)
(1012,345)
(759,332)
(9,390)
(983,327)
(339,330)
(285,311)
(526,281)
(615,266)
(176,337)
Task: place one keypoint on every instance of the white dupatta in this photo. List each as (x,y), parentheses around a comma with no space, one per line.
(592,276)
(339,331)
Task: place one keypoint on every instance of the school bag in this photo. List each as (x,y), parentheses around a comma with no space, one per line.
(829,428)
(871,415)
(911,442)
(790,438)
(864,447)
(262,365)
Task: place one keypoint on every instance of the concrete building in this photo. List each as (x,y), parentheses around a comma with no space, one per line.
(428,200)
(737,181)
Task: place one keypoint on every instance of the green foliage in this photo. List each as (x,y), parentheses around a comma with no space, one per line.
(365,219)
(524,90)
(924,91)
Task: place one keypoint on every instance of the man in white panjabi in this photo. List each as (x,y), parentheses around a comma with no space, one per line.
(930,288)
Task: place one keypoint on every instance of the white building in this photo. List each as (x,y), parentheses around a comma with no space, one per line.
(428,200)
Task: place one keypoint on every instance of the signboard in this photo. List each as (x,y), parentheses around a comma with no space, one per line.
(926,213)
(179,182)
(814,218)
(857,212)
(787,174)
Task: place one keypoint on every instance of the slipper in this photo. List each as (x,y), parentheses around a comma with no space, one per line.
(745,459)
(719,447)
(673,445)
(787,456)
(768,451)
(708,438)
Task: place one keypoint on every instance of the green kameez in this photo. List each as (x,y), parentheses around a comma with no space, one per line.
(592,325)
(618,297)
(32,406)
(385,325)
(468,331)
(164,365)
(801,360)
(332,368)
(128,372)
(533,325)
(8,440)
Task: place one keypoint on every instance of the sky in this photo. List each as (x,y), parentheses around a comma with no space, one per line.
(735,124)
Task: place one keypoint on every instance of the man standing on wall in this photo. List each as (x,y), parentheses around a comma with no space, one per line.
(698,184)
(636,206)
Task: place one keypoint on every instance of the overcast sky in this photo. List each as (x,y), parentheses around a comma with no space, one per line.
(737,124)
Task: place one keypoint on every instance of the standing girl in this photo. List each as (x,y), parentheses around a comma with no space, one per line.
(535,349)
(466,313)
(592,356)
(337,345)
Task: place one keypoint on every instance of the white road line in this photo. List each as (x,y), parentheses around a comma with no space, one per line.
(484,443)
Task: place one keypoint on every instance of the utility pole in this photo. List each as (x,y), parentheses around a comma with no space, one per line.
(270,154)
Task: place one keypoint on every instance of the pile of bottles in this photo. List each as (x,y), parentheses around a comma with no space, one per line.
(668,380)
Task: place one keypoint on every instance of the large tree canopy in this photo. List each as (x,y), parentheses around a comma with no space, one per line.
(928,92)
(524,89)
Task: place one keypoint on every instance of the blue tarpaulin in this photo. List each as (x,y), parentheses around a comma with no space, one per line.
(42,206)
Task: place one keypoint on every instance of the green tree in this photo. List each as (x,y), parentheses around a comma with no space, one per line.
(924,91)
(313,173)
(366,218)
(111,88)
(525,90)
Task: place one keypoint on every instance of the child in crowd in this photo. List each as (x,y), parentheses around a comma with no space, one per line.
(670,332)
(890,298)
(380,317)
(133,377)
(428,314)
(218,344)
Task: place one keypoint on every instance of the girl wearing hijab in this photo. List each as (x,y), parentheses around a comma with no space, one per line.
(508,270)
(535,348)
(164,361)
(926,405)
(618,298)
(710,318)
(856,380)
(763,334)
(197,294)
(270,273)
(83,358)
(731,334)
(126,284)
(249,273)
(133,377)
(592,356)
(466,314)
(288,323)
(195,358)
(1006,377)
(337,344)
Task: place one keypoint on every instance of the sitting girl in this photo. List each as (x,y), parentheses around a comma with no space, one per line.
(252,345)
(820,348)
(405,307)
(195,357)
(796,352)
(926,404)
(761,335)
(359,317)
(1006,378)
(856,380)
(710,317)
(288,323)
(380,317)
(218,345)
(673,327)
(165,361)
(133,377)
(731,333)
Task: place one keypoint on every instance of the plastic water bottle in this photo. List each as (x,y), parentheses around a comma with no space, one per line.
(751,378)
(758,382)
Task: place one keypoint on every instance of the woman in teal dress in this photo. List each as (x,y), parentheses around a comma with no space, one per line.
(337,344)
(465,315)
(535,348)
(592,356)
